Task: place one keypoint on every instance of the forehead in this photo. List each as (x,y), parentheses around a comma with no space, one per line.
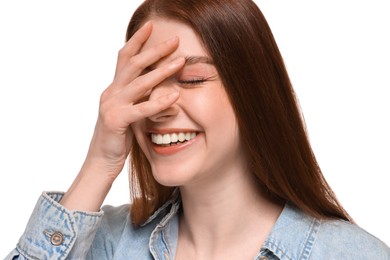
(164,29)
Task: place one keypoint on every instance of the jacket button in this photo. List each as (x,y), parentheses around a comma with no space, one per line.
(56,239)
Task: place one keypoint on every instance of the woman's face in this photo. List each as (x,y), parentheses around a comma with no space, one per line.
(197,138)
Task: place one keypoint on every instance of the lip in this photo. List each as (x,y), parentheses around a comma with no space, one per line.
(170,150)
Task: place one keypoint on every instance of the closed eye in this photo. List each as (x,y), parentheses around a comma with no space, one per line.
(192,81)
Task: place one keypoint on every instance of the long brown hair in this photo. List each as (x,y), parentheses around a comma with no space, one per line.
(240,42)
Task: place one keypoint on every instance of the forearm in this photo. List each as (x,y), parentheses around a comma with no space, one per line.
(89,189)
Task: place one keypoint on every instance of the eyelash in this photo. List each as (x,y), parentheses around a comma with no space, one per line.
(192,81)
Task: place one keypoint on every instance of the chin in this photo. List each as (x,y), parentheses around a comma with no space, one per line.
(169,181)
(172,176)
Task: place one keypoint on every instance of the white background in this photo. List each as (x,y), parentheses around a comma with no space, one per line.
(56,57)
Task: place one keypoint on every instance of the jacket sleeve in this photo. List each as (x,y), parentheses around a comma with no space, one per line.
(54,232)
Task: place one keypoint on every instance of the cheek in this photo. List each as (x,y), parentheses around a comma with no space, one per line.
(212,111)
(216,110)
(208,99)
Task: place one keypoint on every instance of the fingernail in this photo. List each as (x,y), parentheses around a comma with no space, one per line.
(178,61)
(173,95)
(148,23)
(172,40)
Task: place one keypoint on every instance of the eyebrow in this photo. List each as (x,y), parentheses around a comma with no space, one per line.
(189,60)
(198,59)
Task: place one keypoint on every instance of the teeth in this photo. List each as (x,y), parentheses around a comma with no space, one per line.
(159,139)
(166,139)
(181,137)
(174,138)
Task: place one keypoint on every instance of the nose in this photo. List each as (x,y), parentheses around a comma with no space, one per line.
(161,90)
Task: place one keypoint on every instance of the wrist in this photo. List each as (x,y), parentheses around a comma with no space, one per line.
(90,188)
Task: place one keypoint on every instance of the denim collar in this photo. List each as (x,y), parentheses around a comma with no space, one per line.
(172,206)
(292,236)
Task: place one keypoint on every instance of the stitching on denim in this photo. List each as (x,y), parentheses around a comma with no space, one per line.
(153,249)
(49,199)
(24,253)
(175,199)
(67,246)
(271,246)
(165,239)
(310,239)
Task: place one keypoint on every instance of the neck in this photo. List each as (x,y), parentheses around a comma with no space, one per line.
(222,214)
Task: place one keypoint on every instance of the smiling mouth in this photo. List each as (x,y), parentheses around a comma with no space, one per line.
(172,138)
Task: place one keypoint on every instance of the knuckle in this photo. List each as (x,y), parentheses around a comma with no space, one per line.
(104,96)
(107,94)
(141,84)
(136,63)
(122,51)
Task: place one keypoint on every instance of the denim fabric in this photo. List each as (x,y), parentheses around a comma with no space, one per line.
(111,235)
(49,217)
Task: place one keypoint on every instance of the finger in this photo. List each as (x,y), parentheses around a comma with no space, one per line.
(134,44)
(142,85)
(138,63)
(151,107)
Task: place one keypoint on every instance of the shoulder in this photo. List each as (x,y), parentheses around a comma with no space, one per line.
(341,239)
(297,235)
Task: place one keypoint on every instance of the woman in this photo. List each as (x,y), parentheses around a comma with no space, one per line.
(221,164)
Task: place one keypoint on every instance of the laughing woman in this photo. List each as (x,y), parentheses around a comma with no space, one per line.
(221,164)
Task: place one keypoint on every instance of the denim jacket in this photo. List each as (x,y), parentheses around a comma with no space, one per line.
(56,233)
